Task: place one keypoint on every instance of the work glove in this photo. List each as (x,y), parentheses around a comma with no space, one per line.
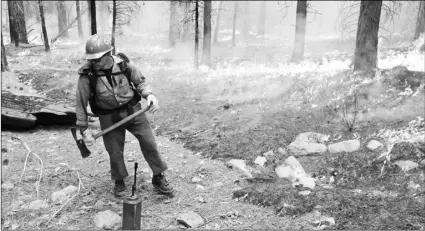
(87,135)
(153,102)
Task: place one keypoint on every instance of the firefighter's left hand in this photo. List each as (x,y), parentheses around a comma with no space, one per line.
(153,101)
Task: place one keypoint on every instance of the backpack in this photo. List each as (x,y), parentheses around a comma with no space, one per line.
(93,81)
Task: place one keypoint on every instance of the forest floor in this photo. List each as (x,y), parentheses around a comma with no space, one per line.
(250,102)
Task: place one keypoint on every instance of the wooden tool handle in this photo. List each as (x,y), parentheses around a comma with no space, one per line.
(123,121)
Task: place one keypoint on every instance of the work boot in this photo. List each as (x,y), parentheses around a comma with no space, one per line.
(119,189)
(161,184)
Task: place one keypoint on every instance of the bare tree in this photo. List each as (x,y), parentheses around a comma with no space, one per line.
(235,15)
(187,21)
(4,66)
(206,45)
(262,19)
(300,26)
(43,26)
(62,18)
(114,23)
(80,25)
(246,20)
(366,53)
(18,29)
(420,20)
(93,22)
(172,33)
(14,36)
(196,34)
(217,23)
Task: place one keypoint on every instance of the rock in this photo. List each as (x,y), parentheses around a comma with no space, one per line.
(35,205)
(412,186)
(99,204)
(196,179)
(269,153)
(406,151)
(307,182)
(63,194)
(304,193)
(324,222)
(287,172)
(344,146)
(374,145)
(106,219)
(240,164)
(190,219)
(312,137)
(296,166)
(300,148)
(200,187)
(422,162)
(218,184)
(282,151)
(406,165)
(7,185)
(260,160)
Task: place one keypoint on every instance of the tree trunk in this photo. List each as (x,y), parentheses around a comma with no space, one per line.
(4,66)
(235,15)
(80,25)
(22,27)
(114,23)
(187,22)
(206,44)
(196,34)
(366,53)
(420,20)
(92,5)
(246,21)
(43,26)
(262,20)
(300,25)
(62,19)
(217,23)
(14,37)
(172,32)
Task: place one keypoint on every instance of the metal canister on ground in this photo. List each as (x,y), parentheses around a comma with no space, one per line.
(132,208)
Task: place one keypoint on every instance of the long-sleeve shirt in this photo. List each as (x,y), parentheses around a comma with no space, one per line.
(108,96)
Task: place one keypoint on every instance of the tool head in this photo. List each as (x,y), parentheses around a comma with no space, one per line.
(85,152)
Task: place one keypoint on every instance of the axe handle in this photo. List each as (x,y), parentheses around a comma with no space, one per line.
(123,121)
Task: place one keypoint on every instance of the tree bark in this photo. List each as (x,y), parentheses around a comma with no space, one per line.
(217,24)
(188,22)
(235,15)
(92,5)
(366,53)
(246,21)
(14,36)
(4,66)
(262,20)
(114,23)
(420,20)
(172,32)
(43,26)
(300,26)
(62,18)
(196,34)
(80,25)
(206,44)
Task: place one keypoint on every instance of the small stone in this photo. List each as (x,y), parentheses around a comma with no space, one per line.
(218,184)
(412,186)
(99,204)
(240,164)
(374,145)
(282,151)
(7,185)
(35,205)
(190,219)
(422,162)
(260,161)
(269,153)
(298,168)
(344,146)
(106,219)
(300,148)
(200,187)
(307,182)
(63,194)
(304,193)
(406,165)
(196,179)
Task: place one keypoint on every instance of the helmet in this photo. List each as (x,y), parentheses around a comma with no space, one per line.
(97,46)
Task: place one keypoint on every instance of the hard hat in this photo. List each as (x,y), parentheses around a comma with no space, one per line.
(97,46)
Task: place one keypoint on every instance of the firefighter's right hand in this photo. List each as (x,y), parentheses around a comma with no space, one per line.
(87,135)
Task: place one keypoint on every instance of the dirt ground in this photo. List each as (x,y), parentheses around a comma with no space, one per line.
(201,125)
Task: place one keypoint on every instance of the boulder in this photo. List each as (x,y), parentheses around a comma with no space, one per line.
(374,145)
(345,146)
(107,219)
(190,219)
(63,194)
(260,160)
(406,165)
(301,148)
